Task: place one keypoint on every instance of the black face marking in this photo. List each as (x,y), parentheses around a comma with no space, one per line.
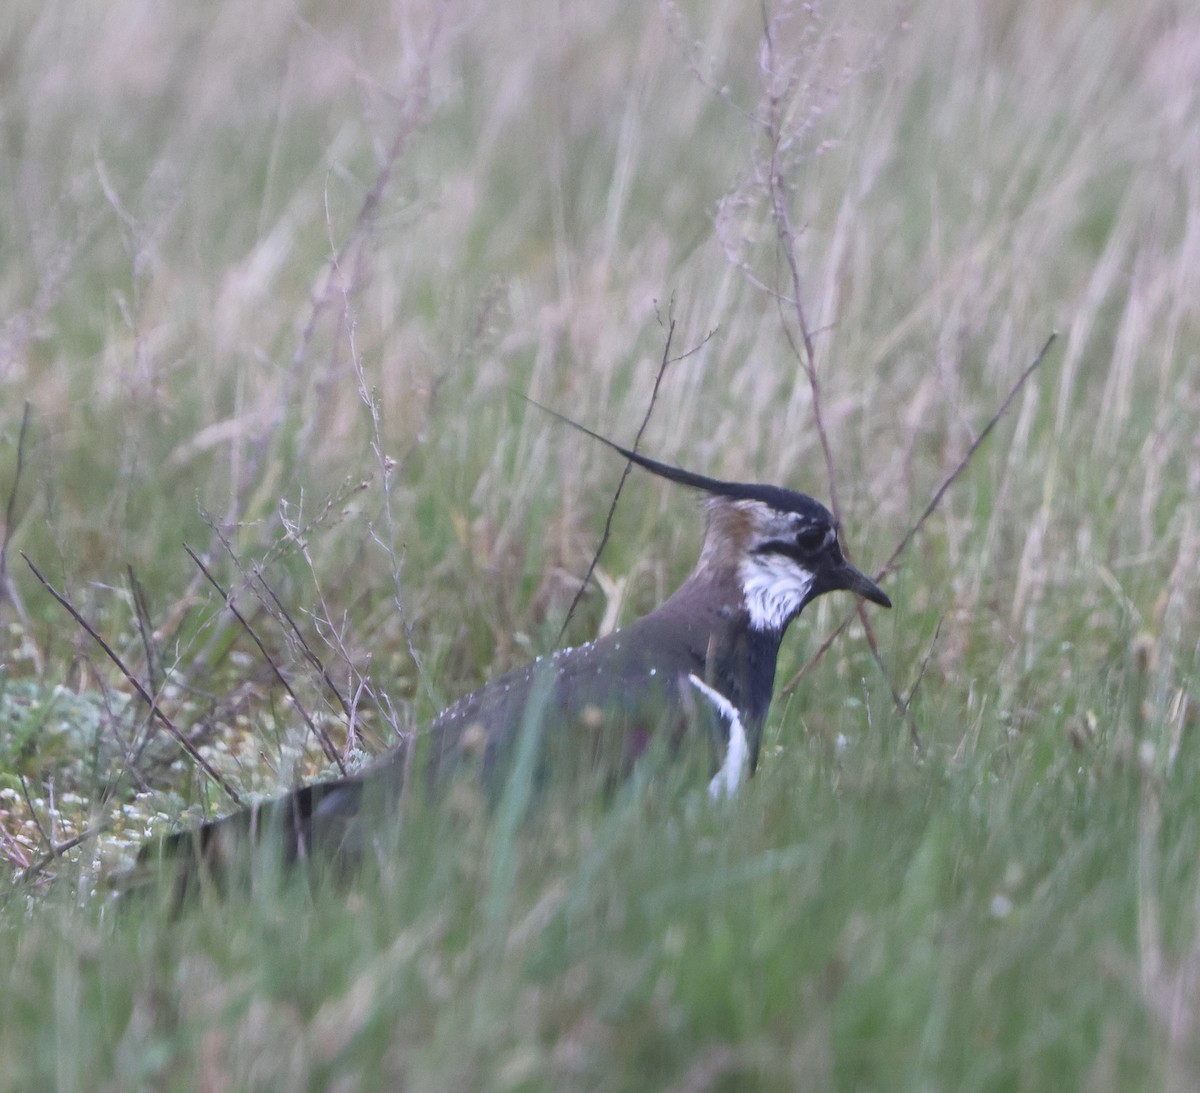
(810,539)
(809,542)
(803,554)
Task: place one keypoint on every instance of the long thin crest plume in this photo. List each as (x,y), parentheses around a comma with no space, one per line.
(738,491)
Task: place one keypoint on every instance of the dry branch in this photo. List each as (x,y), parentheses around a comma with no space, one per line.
(934,502)
(326,744)
(149,699)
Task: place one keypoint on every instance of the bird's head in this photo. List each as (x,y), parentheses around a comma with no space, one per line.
(782,548)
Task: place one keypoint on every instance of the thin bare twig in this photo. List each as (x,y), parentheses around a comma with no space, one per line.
(295,535)
(666,361)
(786,237)
(899,699)
(612,508)
(14,853)
(782,85)
(11,506)
(57,850)
(912,691)
(327,747)
(935,501)
(309,653)
(112,655)
(779,97)
(903,702)
(145,629)
(370,399)
(33,812)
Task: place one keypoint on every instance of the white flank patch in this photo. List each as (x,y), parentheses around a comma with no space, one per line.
(774,587)
(737,752)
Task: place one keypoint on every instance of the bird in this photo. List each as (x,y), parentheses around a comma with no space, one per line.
(700,666)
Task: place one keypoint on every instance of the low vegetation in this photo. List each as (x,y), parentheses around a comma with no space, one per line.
(275,277)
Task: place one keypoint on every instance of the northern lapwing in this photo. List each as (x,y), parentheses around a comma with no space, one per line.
(701,666)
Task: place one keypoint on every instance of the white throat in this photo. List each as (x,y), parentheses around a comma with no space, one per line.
(774,589)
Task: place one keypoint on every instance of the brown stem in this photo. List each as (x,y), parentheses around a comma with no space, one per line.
(155,710)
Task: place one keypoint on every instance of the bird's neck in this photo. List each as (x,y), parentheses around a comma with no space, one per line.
(720,613)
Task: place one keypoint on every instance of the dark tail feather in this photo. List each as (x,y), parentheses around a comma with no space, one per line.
(321,823)
(315,822)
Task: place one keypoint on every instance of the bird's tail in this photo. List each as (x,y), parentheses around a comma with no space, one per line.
(318,823)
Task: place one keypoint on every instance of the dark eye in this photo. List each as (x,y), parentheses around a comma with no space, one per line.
(811,539)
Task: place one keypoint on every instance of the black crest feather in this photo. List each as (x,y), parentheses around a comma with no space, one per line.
(778,498)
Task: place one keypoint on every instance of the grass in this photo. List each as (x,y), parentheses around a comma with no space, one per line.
(272,276)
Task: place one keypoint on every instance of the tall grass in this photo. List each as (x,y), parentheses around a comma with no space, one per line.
(272,277)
